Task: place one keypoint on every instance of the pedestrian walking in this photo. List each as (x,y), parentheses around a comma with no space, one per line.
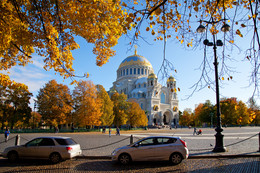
(194,131)
(7,132)
(117,131)
(109,131)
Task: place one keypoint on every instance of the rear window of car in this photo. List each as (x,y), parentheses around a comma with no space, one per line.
(67,141)
(168,140)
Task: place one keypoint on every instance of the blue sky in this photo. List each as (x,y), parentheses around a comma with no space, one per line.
(185,61)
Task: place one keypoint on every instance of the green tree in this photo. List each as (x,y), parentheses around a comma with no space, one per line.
(87,103)
(136,116)
(54,103)
(107,117)
(120,108)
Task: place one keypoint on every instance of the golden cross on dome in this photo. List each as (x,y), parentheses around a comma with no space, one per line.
(135,49)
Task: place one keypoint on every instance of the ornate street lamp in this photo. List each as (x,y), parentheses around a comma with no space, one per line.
(219,147)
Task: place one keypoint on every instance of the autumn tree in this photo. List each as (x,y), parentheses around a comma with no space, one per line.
(54,103)
(6,112)
(136,116)
(234,112)
(88,106)
(187,118)
(48,28)
(243,114)
(228,111)
(107,117)
(16,100)
(35,119)
(253,111)
(120,108)
(206,113)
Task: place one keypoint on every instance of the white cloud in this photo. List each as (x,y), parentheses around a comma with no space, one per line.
(33,75)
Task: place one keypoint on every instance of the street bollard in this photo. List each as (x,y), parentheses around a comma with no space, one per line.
(131,139)
(17,140)
(259,141)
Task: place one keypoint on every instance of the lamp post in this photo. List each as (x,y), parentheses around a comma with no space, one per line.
(211,119)
(34,113)
(219,147)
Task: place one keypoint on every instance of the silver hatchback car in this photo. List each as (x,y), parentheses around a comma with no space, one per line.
(53,148)
(154,148)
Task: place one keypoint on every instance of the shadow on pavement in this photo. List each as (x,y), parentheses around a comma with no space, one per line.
(252,167)
(24,162)
(105,166)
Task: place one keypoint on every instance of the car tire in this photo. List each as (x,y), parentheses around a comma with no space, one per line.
(55,158)
(176,158)
(12,156)
(124,159)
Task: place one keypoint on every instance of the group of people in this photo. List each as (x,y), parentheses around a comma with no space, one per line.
(109,131)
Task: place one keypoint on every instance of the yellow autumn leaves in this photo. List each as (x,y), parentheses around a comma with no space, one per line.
(48,28)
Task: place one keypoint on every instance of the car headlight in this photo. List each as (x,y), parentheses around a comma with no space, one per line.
(114,152)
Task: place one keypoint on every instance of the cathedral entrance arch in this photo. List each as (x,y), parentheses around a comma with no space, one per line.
(167,117)
(156,119)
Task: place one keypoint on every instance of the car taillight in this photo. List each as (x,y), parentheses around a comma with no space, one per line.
(68,148)
(184,143)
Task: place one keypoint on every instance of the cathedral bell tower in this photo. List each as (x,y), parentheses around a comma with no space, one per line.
(171,84)
(152,80)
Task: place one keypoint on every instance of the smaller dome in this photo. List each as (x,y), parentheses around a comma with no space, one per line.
(170,79)
(152,76)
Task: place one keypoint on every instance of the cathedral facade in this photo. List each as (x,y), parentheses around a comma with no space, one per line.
(136,79)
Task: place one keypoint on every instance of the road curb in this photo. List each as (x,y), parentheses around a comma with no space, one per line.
(190,157)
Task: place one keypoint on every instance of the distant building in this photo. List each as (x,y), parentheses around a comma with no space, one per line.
(136,78)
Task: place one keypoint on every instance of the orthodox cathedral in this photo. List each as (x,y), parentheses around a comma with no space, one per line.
(136,79)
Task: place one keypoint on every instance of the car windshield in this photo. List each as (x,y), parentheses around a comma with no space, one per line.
(67,141)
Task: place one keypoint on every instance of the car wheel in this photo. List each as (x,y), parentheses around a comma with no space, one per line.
(12,156)
(124,159)
(176,158)
(55,158)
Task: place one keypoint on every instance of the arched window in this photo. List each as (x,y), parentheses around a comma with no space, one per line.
(142,106)
(134,70)
(145,71)
(145,85)
(126,71)
(130,71)
(142,71)
(162,97)
(138,70)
